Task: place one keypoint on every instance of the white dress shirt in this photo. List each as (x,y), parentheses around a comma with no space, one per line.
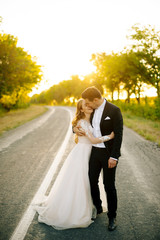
(96,123)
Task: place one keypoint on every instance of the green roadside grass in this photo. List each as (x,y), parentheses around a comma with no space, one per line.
(149,129)
(15,118)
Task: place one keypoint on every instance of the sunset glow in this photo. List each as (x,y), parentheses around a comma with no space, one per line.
(63,34)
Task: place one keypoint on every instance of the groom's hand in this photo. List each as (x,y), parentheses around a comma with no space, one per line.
(112,163)
(79,131)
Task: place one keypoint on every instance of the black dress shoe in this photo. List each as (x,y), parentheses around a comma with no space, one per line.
(112,224)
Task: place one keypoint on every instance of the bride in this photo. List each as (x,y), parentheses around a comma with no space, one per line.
(69,204)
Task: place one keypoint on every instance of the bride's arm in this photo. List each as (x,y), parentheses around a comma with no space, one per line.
(95,140)
(90,136)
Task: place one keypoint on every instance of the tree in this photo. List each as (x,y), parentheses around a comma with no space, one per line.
(108,71)
(147,48)
(132,73)
(18,70)
(101,62)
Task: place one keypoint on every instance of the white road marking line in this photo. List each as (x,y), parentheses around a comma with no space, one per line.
(28,216)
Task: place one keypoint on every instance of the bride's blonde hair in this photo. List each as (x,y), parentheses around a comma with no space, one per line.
(78,116)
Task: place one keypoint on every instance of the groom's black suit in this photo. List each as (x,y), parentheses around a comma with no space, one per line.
(111,121)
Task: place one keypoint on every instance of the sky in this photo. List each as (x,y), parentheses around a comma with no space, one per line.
(63,34)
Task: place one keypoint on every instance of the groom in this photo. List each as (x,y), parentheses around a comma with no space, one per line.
(105,119)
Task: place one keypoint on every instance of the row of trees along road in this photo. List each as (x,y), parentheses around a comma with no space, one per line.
(135,65)
(19,72)
(128,70)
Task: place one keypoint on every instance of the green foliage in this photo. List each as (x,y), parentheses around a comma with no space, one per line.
(19,72)
(107,75)
(2,110)
(147,111)
(157,108)
(62,92)
(134,66)
(13,101)
(147,46)
(120,69)
(7,101)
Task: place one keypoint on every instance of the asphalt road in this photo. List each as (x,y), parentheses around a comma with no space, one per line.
(26,155)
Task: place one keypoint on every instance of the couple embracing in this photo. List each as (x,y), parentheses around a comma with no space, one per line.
(74,200)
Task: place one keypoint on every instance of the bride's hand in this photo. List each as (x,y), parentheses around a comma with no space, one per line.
(79,131)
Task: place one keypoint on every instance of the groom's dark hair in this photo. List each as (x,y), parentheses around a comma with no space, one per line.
(90,93)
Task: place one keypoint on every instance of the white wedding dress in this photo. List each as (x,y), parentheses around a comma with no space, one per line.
(69,204)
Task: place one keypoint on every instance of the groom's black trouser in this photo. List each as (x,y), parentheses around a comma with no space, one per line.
(99,160)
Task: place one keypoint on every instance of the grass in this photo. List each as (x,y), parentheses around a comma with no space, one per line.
(15,118)
(149,129)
